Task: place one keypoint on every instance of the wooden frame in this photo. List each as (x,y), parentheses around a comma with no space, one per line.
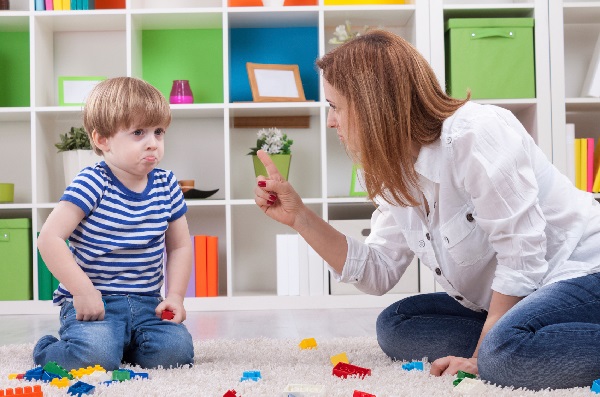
(358,182)
(275,83)
(73,90)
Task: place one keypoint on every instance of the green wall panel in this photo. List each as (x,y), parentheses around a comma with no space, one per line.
(14,69)
(185,54)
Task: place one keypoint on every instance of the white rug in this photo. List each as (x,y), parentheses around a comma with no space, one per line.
(220,364)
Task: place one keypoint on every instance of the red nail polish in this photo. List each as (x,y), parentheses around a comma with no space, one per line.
(270,202)
(272,197)
(262,183)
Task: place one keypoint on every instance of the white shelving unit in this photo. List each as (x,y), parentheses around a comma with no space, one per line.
(202,143)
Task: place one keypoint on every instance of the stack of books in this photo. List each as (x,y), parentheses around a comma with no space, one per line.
(583,161)
(64,5)
(300,269)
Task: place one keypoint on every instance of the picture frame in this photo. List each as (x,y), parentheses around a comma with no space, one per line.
(73,90)
(275,83)
(357,182)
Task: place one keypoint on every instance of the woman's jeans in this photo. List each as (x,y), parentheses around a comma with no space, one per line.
(130,332)
(550,339)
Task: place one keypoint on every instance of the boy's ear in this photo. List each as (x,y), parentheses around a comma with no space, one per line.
(101,142)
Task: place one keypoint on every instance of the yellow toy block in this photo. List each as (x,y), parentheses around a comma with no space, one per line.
(342,357)
(62,382)
(12,376)
(308,343)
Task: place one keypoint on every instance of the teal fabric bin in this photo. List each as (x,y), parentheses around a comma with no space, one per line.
(16,282)
(492,57)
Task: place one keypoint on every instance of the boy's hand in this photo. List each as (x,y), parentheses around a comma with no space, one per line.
(89,307)
(173,305)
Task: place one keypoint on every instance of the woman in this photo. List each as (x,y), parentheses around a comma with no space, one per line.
(465,188)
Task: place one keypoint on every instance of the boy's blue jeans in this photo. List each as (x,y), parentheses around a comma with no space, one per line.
(551,339)
(130,332)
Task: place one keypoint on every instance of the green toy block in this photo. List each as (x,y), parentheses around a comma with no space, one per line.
(121,375)
(53,368)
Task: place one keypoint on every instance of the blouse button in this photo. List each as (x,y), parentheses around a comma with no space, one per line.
(421,243)
(438,271)
(446,240)
(458,297)
(470,217)
(448,140)
(428,236)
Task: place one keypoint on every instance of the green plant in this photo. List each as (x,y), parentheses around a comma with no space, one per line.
(75,139)
(272,141)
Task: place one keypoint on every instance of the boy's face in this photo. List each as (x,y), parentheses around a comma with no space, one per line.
(135,150)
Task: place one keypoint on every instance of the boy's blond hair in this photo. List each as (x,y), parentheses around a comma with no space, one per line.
(124,102)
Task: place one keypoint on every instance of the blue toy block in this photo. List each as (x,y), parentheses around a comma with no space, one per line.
(596,386)
(34,374)
(251,375)
(416,365)
(48,376)
(80,388)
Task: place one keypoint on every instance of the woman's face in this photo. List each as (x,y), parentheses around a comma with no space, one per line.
(338,116)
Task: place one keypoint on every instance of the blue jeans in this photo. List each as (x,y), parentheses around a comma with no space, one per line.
(550,339)
(130,332)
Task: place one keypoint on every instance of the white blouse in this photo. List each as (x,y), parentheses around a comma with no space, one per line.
(501,217)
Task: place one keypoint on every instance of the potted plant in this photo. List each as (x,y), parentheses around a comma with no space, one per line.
(76,152)
(277,145)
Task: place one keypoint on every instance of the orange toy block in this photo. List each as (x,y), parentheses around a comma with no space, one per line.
(308,343)
(27,391)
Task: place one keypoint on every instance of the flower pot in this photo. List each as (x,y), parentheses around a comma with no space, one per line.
(281,161)
(7,192)
(76,160)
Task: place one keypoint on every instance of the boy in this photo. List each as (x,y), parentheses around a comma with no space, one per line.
(119,216)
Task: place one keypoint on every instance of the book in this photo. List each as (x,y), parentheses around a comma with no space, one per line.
(282,265)
(591,84)
(293,265)
(200,264)
(212,265)
(191,288)
(40,5)
(58,5)
(315,273)
(49,5)
(590,163)
(73,4)
(303,271)
(570,143)
(66,4)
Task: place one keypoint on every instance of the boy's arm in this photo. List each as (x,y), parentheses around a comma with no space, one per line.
(57,256)
(179,267)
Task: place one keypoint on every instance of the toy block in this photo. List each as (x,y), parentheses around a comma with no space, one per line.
(471,386)
(343,370)
(27,391)
(339,358)
(52,367)
(251,375)
(231,393)
(596,386)
(121,375)
(60,382)
(298,389)
(13,376)
(362,394)
(47,376)
(80,388)
(416,365)
(460,375)
(167,315)
(308,343)
(34,374)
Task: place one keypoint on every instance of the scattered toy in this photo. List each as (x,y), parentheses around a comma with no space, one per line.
(251,375)
(167,315)
(308,343)
(339,358)
(416,365)
(343,370)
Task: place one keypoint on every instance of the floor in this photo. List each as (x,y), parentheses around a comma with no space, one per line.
(278,324)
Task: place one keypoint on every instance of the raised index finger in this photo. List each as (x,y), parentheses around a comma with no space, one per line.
(269,166)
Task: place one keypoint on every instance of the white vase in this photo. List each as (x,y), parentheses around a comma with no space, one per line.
(76,160)
(273,3)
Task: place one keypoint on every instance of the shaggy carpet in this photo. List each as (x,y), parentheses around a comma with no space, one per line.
(220,364)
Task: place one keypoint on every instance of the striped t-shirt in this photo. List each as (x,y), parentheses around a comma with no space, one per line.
(120,242)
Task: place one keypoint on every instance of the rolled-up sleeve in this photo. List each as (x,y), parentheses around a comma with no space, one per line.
(376,265)
(497,173)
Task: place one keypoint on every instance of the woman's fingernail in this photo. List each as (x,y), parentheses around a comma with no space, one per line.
(262,183)
(272,197)
(270,202)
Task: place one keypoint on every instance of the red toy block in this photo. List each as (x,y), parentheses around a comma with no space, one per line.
(27,391)
(362,394)
(231,393)
(343,370)
(167,315)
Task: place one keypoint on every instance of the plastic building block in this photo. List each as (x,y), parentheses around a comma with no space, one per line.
(339,358)
(48,377)
(60,382)
(471,386)
(362,394)
(596,386)
(417,365)
(308,343)
(27,391)
(52,367)
(14,376)
(34,374)
(343,370)
(78,373)
(231,393)
(121,375)
(299,390)
(80,388)
(460,375)
(251,375)
(167,315)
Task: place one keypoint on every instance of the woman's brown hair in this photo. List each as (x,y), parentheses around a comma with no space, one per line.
(395,103)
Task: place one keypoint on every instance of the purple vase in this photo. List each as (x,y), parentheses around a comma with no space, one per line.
(181,92)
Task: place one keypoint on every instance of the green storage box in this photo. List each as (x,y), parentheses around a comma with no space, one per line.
(15,259)
(493,57)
